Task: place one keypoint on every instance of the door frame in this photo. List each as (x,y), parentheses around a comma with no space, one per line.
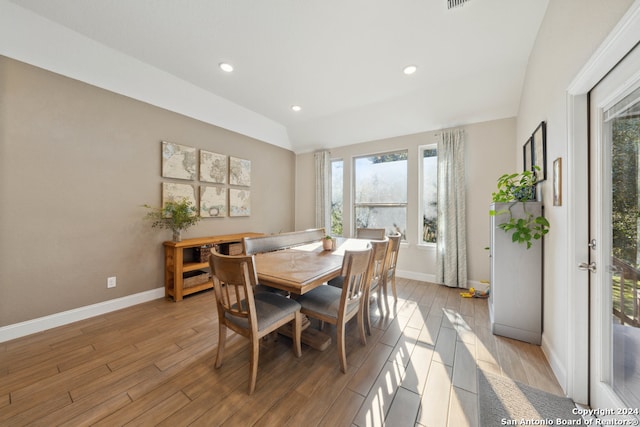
(618,43)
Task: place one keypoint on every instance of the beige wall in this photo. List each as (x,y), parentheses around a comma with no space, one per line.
(76,164)
(490,152)
(569,35)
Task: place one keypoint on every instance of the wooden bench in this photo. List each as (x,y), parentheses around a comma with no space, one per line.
(276,242)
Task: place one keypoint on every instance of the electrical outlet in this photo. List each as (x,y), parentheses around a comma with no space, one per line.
(111,282)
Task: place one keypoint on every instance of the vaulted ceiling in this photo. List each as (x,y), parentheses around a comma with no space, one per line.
(341,61)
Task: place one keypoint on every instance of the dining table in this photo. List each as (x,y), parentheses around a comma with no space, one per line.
(302,268)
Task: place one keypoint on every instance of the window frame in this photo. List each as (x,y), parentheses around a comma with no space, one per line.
(420,230)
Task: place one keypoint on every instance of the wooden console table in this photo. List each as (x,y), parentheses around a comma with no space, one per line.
(180,258)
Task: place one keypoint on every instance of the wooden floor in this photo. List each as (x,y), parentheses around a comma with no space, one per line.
(153,364)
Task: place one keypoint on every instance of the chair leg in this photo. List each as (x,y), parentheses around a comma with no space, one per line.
(367,315)
(385,292)
(379,297)
(342,354)
(393,286)
(222,339)
(297,331)
(253,363)
(361,326)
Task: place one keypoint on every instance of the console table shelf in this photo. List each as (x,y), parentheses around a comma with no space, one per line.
(179,259)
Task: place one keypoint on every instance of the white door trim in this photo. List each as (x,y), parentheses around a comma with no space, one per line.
(621,40)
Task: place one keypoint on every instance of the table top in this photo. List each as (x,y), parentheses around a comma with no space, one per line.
(302,268)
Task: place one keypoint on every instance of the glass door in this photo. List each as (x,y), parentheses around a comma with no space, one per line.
(615,239)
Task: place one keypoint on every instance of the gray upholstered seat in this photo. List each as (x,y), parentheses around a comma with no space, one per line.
(270,308)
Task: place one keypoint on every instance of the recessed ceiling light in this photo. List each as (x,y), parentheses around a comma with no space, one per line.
(410,69)
(226,67)
(296,108)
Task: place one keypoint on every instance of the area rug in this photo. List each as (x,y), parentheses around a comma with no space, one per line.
(506,402)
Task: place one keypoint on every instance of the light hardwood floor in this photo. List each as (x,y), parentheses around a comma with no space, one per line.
(153,364)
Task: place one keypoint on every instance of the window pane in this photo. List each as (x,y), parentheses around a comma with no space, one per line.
(429,195)
(336,197)
(381,179)
(392,219)
(380,199)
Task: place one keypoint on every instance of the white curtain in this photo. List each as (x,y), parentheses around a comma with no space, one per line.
(323,190)
(451,258)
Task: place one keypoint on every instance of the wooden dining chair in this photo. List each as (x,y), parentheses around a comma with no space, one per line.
(337,306)
(251,315)
(376,279)
(390,265)
(370,233)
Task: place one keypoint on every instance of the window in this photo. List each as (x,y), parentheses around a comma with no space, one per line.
(380,192)
(337,177)
(429,193)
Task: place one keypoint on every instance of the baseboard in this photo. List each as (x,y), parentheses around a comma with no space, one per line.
(556,366)
(28,327)
(421,277)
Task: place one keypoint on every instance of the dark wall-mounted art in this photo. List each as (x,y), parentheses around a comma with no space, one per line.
(539,150)
(527,156)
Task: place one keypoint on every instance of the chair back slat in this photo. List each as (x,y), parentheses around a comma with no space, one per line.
(392,252)
(275,242)
(377,262)
(355,269)
(370,233)
(233,281)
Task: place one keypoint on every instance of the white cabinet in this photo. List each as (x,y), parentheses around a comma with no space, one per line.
(515,301)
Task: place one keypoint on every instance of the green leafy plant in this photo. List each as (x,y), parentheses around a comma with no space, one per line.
(174,215)
(520,188)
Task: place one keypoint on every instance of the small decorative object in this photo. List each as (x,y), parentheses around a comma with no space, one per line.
(174,215)
(539,149)
(520,188)
(557,182)
(178,161)
(328,243)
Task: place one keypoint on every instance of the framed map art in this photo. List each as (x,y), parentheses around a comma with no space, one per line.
(178,161)
(213,167)
(239,172)
(172,192)
(213,201)
(239,202)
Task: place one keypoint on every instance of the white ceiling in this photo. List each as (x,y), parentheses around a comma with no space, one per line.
(341,60)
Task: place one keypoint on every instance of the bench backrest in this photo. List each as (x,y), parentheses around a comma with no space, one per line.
(276,242)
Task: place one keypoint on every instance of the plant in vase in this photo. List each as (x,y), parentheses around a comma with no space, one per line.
(174,215)
(520,188)
(328,243)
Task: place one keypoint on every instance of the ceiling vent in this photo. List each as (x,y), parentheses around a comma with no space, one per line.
(455,3)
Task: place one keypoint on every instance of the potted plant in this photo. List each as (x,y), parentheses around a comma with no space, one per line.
(519,188)
(328,243)
(174,215)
